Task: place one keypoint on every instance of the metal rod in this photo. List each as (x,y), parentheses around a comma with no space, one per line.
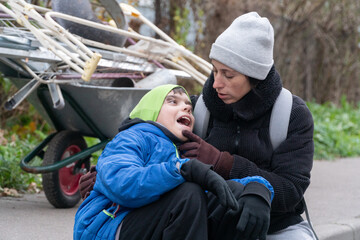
(56,166)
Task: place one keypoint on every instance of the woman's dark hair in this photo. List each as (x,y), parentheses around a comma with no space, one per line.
(253,82)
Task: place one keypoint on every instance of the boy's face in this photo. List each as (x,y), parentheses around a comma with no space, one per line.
(176,114)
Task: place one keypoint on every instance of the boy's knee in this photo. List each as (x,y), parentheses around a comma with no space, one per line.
(189,188)
(192,192)
(190,199)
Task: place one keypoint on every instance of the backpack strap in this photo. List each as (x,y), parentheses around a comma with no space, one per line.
(279,120)
(280,117)
(202,116)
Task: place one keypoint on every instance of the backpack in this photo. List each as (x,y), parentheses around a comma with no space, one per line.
(278,127)
(279,119)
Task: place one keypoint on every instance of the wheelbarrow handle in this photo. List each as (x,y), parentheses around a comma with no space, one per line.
(53,167)
(20,95)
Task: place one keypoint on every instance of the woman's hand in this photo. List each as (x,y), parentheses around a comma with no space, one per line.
(206,153)
(86,183)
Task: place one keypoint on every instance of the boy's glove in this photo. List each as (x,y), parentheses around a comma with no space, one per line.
(255,217)
(202,174)
(86,183)
(206,153)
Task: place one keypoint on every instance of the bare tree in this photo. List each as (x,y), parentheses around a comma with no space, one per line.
(316,42)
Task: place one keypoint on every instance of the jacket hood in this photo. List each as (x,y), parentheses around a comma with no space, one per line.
(150,104)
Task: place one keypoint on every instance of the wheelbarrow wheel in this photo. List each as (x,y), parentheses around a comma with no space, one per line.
(61,186)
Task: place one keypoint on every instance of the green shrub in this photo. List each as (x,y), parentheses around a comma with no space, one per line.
(13,148)
(90,141)
(337,130)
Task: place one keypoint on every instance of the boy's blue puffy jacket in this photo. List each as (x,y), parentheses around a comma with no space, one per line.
(135,169)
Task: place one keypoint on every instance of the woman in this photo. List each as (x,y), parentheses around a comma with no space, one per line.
(240,94)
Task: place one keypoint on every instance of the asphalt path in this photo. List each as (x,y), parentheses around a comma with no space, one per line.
(334,192)
(33,217)
(333,197)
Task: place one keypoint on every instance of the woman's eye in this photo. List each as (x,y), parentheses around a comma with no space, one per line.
(229,76)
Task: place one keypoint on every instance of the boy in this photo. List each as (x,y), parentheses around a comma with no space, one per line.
(140,191)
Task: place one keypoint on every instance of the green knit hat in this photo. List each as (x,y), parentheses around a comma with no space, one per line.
(150,104)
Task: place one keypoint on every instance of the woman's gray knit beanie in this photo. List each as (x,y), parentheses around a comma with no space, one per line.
(246,46)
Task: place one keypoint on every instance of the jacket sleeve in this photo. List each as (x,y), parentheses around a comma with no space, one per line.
(291,162)
(124,177)
(257,179)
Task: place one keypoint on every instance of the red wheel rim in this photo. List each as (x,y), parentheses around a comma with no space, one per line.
(69,183)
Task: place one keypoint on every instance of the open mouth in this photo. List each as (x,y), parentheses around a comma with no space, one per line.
(221,95)
(184,120)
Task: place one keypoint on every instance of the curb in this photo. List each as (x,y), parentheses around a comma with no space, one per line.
(344,230)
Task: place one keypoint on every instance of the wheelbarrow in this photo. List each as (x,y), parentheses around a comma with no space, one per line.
(81,87)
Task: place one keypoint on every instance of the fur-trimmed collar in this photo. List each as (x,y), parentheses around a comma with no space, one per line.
(253,105)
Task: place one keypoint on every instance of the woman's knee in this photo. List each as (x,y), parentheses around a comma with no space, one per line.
(298,231)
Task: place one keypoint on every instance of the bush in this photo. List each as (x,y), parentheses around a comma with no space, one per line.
(337,130)
(13,148)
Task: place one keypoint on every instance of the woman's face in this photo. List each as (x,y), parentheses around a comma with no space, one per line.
(230,85)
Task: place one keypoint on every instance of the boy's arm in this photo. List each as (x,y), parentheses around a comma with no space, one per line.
(123,177)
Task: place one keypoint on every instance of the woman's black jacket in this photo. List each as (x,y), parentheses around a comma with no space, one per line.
(242,129)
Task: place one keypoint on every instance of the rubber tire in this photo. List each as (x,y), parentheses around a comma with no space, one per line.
(51,181)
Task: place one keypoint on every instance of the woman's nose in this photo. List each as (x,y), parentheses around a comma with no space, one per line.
(218,83)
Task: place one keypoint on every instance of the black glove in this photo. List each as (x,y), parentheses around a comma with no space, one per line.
(202,174)
(250,221)
(255,217)
(86,183)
